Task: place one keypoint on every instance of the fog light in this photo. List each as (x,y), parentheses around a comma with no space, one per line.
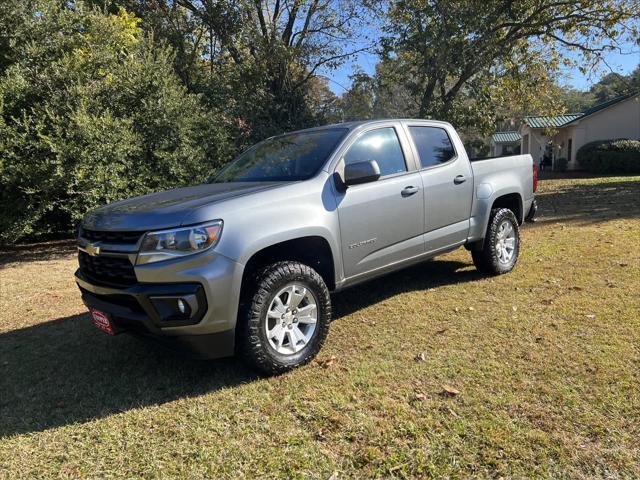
(175,308)
(182,306)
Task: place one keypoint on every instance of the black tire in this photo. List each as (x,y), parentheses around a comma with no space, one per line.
(252,341)
(487,260)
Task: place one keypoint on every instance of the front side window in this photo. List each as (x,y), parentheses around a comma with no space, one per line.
(290,157)
(381,145)
(433,144)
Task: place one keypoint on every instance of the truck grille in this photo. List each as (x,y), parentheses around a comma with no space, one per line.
(130,238)
(113,271)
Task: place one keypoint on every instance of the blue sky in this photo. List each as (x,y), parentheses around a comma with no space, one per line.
(621,63)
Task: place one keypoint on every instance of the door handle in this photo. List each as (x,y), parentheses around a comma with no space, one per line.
(459,179)
(408,191)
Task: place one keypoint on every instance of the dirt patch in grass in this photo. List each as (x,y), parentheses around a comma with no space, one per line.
(545,362)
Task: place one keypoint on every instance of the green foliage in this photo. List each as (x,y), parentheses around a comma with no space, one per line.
(357,103)
(458,59)
(610,156)
(92,112)
(614,85)
(607,88)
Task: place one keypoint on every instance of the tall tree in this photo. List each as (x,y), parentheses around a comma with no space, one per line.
(614,84)
(357,103)
(271,51)
(447,51)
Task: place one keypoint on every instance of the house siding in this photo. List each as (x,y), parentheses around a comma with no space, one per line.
(621,120)
(618,121)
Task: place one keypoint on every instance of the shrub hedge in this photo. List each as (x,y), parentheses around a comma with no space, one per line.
(610,156)
(91,111)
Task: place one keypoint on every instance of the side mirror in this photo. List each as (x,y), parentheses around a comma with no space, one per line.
(361,172)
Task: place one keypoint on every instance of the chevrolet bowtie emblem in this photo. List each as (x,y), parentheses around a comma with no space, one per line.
(92,249)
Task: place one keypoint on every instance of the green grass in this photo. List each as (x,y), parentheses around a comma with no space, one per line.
(546,360)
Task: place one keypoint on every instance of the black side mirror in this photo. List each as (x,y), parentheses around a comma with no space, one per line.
(361,172)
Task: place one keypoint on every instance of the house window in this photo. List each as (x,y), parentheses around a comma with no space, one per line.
(569,147)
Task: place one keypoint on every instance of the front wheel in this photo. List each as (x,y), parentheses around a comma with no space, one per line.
(501,244)
(285,319)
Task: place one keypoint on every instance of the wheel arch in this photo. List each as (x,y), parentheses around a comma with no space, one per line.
(513,201)
(312,250)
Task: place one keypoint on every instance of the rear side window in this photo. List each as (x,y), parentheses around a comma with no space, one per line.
(381,145)
(433,144)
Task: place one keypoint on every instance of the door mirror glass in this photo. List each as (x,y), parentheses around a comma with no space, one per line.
(361,172)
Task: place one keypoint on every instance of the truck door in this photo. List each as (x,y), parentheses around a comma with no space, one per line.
(381,222)
(447,180)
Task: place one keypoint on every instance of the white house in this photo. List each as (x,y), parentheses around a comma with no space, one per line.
(561,136)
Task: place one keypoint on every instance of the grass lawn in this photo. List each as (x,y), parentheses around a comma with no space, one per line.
(546,361)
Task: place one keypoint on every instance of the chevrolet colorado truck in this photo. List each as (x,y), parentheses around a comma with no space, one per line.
(246,263)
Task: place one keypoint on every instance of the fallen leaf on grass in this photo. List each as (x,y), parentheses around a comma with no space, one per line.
(421,397)
(327,362)
(440,332)
(450,391)
(591,316)
(421,357)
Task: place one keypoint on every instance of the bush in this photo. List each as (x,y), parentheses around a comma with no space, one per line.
(560,164)
(610,156)
(91,112)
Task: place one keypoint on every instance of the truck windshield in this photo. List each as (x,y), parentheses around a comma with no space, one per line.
(289,157)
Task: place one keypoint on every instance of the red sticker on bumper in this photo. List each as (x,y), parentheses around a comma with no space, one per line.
(102,321)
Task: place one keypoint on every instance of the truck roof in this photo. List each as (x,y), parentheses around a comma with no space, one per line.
(360,123)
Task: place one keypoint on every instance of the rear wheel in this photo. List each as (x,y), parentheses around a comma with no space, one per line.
(285,319)
(501,245)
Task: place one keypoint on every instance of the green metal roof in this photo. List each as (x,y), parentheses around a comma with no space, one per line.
(506,137)
(552,122)
(562,120)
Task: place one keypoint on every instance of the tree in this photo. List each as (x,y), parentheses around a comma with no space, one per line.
(610,86)
(614,84)
(357,103)
(453,56)
(271,51)
(91,112)
(575,100)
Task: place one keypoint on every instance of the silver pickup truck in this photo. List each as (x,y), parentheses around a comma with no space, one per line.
(246,262)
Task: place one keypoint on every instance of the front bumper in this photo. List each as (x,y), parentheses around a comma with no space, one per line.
(211,283)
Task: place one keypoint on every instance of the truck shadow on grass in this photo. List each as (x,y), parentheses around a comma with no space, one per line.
(65,371)
(590,203)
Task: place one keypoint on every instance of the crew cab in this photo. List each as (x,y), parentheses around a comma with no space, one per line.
(246,263)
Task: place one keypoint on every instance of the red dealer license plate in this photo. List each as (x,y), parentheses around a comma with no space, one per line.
(102,321)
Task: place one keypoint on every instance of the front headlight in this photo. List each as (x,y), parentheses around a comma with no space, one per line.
(178,242)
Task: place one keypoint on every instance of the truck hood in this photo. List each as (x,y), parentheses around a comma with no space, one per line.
(166,209)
